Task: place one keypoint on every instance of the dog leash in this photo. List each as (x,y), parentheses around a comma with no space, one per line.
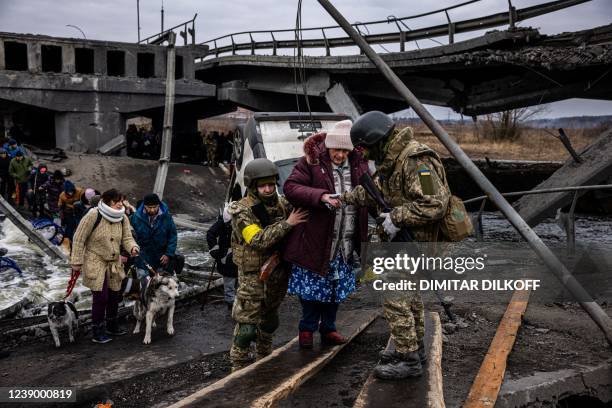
(74,275)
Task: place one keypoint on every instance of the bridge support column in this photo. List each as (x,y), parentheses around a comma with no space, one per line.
(87,131)
(340,101)
(34,58)
(131,64)
(100,61)
(68,59)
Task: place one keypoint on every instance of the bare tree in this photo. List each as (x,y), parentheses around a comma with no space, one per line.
(508,125)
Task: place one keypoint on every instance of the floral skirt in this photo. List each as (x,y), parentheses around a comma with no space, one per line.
(333,287)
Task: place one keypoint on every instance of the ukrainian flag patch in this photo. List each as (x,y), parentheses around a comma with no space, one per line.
(425,179)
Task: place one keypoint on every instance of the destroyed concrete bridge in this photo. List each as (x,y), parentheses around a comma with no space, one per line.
(82,91)
(499,71)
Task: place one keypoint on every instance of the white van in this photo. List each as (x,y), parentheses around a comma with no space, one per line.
(278,136)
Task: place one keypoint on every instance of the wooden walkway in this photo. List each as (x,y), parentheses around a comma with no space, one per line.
(266,382)
(422,392)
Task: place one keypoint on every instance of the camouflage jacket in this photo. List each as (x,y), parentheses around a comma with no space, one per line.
(413,182)
(253,243)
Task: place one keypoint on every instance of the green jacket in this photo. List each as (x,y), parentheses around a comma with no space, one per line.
(20,170)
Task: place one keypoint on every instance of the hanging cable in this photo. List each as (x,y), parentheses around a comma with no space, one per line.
(301,62)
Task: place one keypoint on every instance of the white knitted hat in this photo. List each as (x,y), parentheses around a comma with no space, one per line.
(339,137)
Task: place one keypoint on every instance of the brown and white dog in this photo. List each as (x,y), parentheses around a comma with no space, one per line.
(159,297)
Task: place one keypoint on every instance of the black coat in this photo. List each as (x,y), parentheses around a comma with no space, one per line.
(37,180)
(220,233)
(4,166)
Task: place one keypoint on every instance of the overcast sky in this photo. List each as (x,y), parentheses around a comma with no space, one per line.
(116,20)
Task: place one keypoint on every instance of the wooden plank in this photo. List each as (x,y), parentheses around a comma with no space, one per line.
(265,382)
(113,145)
(424,391)
(435,392)
(596,167)
(489,379)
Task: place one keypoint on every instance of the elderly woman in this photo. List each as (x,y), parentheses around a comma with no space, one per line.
(321,250)
(96,251)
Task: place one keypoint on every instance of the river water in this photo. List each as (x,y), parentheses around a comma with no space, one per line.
(45,279)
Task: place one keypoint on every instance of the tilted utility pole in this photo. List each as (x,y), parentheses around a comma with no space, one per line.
(595,311)
(164,158)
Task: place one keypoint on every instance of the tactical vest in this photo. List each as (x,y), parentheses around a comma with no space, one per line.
(247,258)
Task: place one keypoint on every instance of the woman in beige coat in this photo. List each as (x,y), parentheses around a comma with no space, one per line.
(96,249)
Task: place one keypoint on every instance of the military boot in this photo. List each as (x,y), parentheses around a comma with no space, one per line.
(422,352)
(263,345)
(405,366)
(239,357)
(387,356)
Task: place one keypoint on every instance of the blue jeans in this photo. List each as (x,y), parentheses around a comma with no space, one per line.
(318,315)
(229,289)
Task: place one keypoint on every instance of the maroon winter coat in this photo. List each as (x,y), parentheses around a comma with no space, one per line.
(309,243)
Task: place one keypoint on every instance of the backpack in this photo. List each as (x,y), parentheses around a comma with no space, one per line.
(98,219)
(456,224)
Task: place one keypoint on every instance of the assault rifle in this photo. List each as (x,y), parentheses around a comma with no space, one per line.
(404,234)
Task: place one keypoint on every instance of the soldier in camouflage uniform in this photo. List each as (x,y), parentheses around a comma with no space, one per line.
(259,222)
(210,140)
(412,181)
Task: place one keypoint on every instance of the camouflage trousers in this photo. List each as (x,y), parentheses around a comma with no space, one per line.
(255,311)
(406,317)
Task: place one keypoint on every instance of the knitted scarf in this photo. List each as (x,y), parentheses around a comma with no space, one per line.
(110,214)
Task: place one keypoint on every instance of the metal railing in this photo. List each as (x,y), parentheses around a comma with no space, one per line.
(185,32)
(403,35)
(566,221)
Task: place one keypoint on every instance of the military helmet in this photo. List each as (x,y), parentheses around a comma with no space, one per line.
(370,128)
(259,168)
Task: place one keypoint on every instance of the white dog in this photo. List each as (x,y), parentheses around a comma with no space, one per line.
(159,297)
(60,314)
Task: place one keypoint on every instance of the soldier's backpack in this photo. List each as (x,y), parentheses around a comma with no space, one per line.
(456,225)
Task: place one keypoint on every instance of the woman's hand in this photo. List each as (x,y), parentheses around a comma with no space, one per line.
(76,268)
(331,199)
(135,251)
(297,216)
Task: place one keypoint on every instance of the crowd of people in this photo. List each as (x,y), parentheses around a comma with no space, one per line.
(47,195)
(265,245)
(208,148)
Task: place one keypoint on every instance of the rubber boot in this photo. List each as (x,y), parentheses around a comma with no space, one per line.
(113,328)
(239,357)
(99,334)
(333,339)
(406,366)
(305,339)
